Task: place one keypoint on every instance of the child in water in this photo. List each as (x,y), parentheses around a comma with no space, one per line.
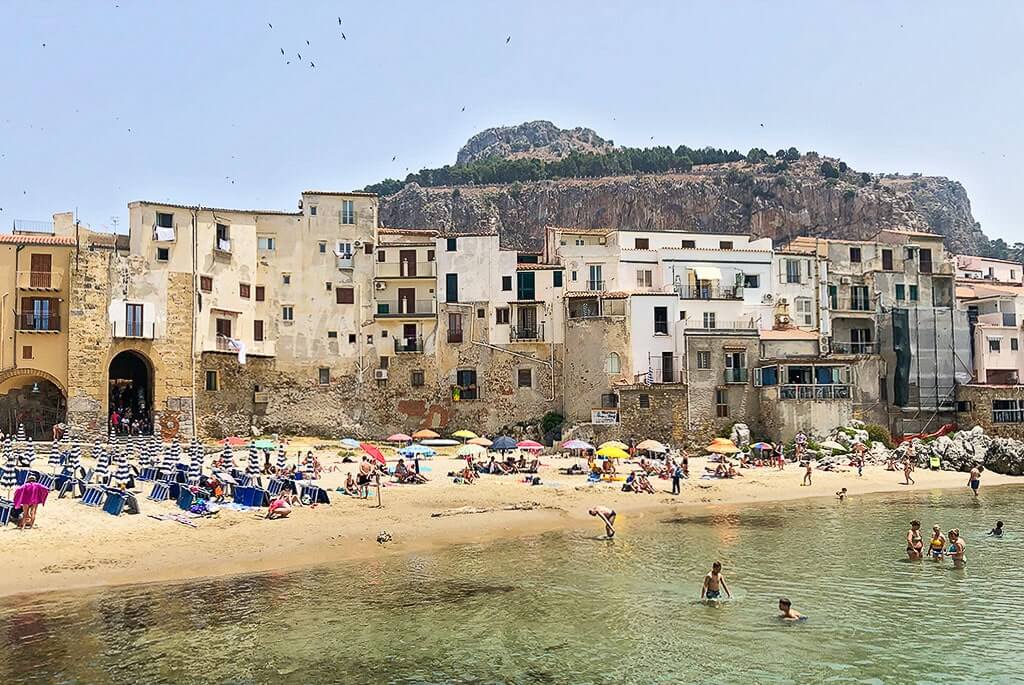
(714,583)
(788,613)
(998,530)
(841,494)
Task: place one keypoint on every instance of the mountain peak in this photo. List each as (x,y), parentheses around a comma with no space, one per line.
(539,139)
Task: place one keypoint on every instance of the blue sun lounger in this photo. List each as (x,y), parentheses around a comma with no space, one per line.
(115,503)
(93,496)
(314,494)
(160,492)
(6,509)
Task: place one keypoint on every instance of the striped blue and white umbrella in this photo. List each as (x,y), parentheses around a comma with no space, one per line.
(151,452)
(55,456)
(10,474)
(30,452)
(195,469)
(102,465)
(97,450)
(253,467)
(227,457)
(75,459)
(124,473)
(282,459)
(176,451)
(21,433)
(167,466)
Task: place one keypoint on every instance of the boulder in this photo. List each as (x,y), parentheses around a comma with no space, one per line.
(740,435)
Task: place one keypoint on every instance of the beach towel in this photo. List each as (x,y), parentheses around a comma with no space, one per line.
(29,494)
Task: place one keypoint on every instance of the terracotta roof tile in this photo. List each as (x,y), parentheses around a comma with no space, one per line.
(29,239)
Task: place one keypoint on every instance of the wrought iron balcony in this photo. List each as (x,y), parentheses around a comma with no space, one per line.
(38,323)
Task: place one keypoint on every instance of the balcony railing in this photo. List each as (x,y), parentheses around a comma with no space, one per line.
(28,321)
(223,344)
(406,269)
(344,261)
(852,304)
(814,392)
(399,308)
(737,375)
(742,325)
(40,280)
(658,376)
(693,292)
(527,333)
(840,347)
(133,329)
(403,345)
(596,286)
(1008,416)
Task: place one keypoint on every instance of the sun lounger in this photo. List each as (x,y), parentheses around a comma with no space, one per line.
(314,494)
(6,509)
(274,487)
(250,497)
(93,496)
(149,473)
(160,492)
(23,474)
(115,503)
(185,498)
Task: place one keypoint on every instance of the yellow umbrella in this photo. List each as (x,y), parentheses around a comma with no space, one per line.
(614,443)
(483,442)
(612,452)
(722,446)
(464,434)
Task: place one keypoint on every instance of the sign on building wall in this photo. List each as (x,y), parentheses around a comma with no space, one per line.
(604,416)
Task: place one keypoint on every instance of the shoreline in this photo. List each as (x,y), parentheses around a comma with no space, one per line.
(77,548)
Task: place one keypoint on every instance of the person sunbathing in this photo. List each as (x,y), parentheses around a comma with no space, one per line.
(406,475)
(643,484)
(350,485)
(609,467)
(469,475)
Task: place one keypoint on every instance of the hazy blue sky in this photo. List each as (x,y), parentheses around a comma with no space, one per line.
(175,100)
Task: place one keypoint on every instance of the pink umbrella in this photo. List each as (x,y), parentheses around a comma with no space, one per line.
(529,445)
(373,452)
(399,437)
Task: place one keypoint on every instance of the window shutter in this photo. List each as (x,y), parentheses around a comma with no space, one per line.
(757,377)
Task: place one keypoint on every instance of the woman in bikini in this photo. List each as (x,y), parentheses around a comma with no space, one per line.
(957,548)
(938,544)
(915,543)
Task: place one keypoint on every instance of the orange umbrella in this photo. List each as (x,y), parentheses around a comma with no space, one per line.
(722,446)
(483,442)
(425,434)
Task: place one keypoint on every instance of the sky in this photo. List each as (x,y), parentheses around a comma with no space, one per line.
(105,102)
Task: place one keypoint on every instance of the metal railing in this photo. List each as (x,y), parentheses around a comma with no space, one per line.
(693,292)
(658,377)
(40,280)
(840,347)
(742,325)
(406,269)
(1008,416)
(597,286)
(814,392)
(852,304)
(406,307)
(596,308)
(527,333)
(455,335)
(133,329)
(403,345)
(32,226)
(736,375)
(27,321)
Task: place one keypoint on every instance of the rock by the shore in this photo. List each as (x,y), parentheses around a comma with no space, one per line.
(965,450)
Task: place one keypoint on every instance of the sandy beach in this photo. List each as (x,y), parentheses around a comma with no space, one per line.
(75,546)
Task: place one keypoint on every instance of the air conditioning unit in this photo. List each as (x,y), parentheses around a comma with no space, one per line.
(380,285)
(767,298)
(380,374)
(824,345)
(357,243)
(846,280)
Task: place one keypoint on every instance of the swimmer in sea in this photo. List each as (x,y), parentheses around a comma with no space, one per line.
(998,530)
(788,613)
(841,494)
(608,516)
(915,543)
(938,544)
(714,583)
(957,547)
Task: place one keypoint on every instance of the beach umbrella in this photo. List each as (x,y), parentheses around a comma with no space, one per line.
(30,453)
(75,459)
(373,452)
(464,434)
(227,457)
(21,433)
(833,446)
(417,450)
(167,465)
(252,468)
(195,469)
(176,450)
(503,444)
(762,446)
(577,445)
(613,443)
(425,434)
(350,443)
(470,451)
(282,460)
(54,460)
(235,441)
(483,442)
(399,437)
(124,473)
(531,445)
(10,475)
(264,444)
(102,465)
(722,446)
(652,446)
(612,452)
(439,442)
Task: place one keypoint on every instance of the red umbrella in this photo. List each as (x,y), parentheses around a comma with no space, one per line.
(373,452)
(235,441)
(529,445)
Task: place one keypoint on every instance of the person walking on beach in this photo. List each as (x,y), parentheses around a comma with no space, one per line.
(858,451)
(974,482)
(28,497)
(907,468)
(807,473)
(714,583)
(800,444)
(915,543)
(607,516)
(780,456)
(957,548)
(363,479)
(677,476)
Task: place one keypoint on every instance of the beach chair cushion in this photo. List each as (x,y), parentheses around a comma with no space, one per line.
(115,503)
(185,498)
(251,497)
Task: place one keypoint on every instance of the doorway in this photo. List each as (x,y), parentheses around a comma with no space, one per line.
(407,263)
(130,401)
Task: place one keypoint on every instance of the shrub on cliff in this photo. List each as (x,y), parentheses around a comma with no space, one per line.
(878,433)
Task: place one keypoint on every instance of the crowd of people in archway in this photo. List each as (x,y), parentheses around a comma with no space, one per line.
(129,414)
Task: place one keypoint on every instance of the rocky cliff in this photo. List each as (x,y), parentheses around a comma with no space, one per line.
(540,139)
(738,197)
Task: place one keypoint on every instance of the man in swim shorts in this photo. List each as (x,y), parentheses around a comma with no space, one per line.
(607,516)
(975,480)
(714,583)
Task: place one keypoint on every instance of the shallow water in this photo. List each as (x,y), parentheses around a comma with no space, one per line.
(572,608)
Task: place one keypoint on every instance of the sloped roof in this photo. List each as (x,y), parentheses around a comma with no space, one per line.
(31,239)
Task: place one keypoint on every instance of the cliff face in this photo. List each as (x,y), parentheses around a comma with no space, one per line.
(540,139)
(722,198)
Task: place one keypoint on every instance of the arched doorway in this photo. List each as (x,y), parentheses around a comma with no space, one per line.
(131,394)
(33,401)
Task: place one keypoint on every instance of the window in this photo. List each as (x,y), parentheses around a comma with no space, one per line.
(556,279)
(26,352)
(369,339)
(223,238)
(384,363)
(266,243)
(506,283)
(703,359)
(261,293)
(644,278)
(383,334)
(925,261)
(382,256)
(257,330)
(206,284)
(368,248)
(1013,274)
(454,327)
(688,244)
(163,254)
(133,321)
(164,220)
(1007,411)
(886,259)
(243,290)
(609,400)
(324,375)
(501,315)
(709,320)
(343,248)
(644,400)
(804,311)
(579,241)
(212,381)
(724,244)
(288,313)
(833,297)
(661,320)
(416,378)
(450,244)
(855,255)
(286,279)
(573,276)
(793,271)
(322,246)
(613,364)
(751,281)
(721,403)
(525,281)
(351,338)
(223,328)
(901,292)
(524,378)
(332,335)
(465,385)
(1014,345)
(451,287)
(312,210)
(913,293)
(994,344)
(860,299)
(345,295)
(642,244)
(481,312)
(348,212)
(595,282)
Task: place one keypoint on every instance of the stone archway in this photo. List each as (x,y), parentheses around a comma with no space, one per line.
(130,392)
(32,398)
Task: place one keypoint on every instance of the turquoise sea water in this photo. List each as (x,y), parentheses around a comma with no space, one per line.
(572,608)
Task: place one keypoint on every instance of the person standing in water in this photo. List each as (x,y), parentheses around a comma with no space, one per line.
(714,583)
(607,516)
(937,547)
(915,543)
(998,530)
(974,482)
(957,547)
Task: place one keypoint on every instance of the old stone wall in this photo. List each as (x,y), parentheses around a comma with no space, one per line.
(979,398)
(588,344)
(742,398)
(663,418)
